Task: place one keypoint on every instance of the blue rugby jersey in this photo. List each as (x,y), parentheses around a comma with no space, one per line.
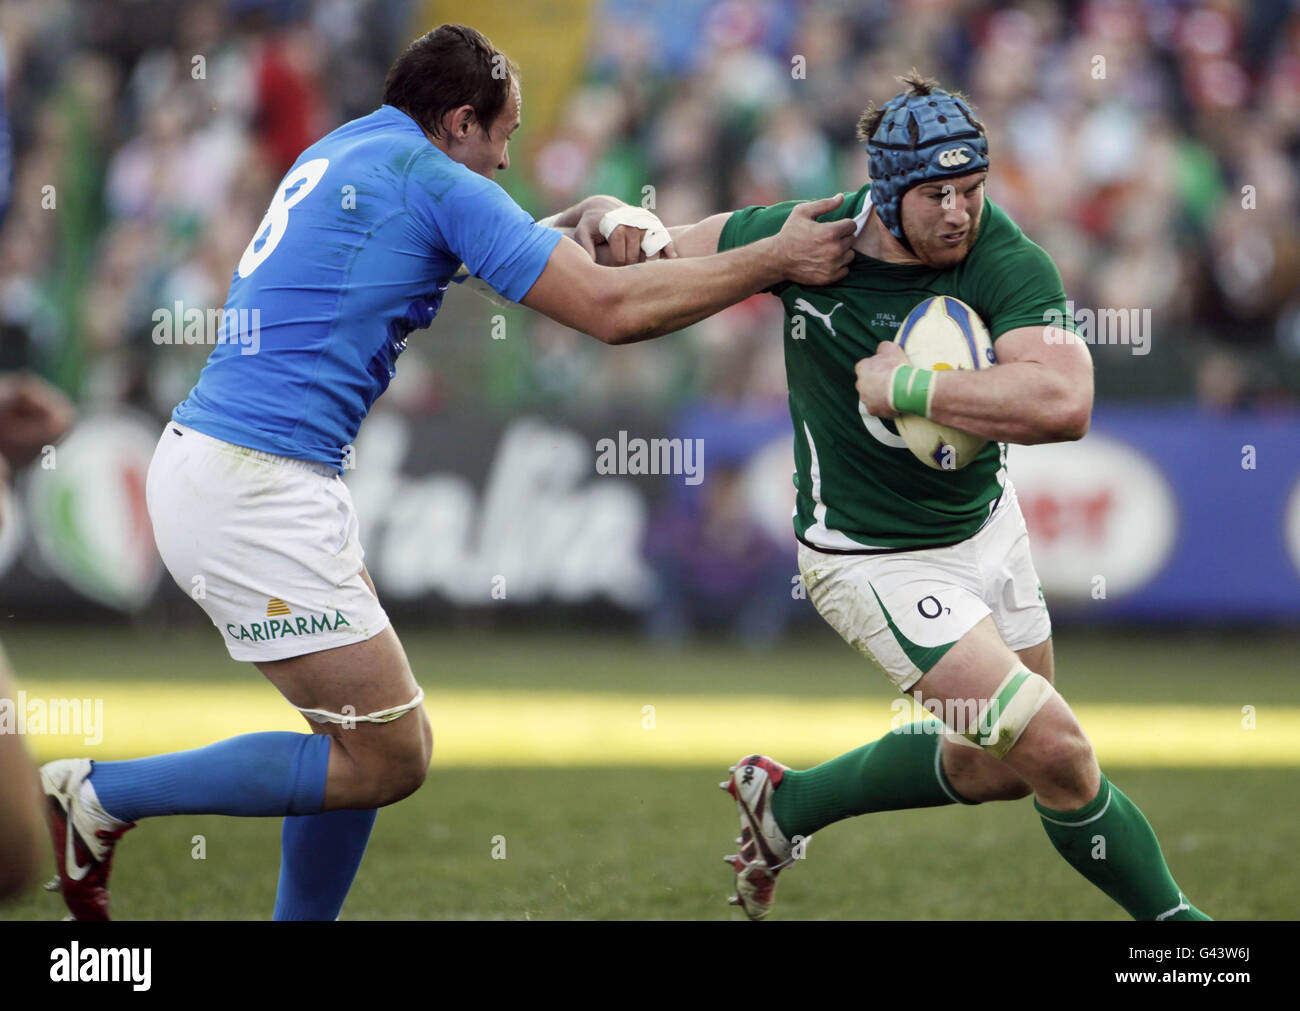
(357,249)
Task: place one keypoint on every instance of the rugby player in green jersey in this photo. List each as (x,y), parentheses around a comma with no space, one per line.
(928,572)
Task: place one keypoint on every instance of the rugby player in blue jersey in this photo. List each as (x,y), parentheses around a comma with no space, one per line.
(357,248)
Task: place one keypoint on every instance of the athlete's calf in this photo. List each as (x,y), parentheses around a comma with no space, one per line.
(1028,726)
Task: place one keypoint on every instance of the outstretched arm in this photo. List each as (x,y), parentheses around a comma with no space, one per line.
(701,238)
(621,306)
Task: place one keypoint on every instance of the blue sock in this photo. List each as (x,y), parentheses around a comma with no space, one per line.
(319,857)
(254,775)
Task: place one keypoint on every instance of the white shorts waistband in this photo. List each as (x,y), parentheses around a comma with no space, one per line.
(314,466)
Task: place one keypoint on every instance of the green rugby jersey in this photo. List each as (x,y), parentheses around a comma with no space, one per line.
(858,487)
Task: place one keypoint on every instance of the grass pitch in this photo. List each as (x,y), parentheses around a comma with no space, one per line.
(604,810)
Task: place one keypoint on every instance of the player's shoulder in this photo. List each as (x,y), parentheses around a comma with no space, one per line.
(761,220)
(1009,279)
(1001,236)
(1004,258)
(388,143)
(439,183)
(854,202)
(385,132)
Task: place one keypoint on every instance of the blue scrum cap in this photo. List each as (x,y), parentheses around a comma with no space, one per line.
(921,138)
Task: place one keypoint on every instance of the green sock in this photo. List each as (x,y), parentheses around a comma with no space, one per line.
(1111,844)
(900,770)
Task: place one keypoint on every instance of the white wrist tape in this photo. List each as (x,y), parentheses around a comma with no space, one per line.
(656,235)
(549,222)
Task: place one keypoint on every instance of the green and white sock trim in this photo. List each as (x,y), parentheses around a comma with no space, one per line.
(1087,814)
(1182,906)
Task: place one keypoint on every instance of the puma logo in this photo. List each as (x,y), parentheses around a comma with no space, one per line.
(802,305)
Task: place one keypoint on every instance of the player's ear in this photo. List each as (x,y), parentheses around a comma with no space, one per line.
(458,122)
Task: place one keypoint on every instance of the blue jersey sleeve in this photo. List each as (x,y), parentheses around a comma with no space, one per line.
(475,220)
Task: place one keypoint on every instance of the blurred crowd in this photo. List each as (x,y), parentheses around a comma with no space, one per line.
(1152,148)
(147,139)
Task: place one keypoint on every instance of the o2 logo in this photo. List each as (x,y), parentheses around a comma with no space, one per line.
(929,607)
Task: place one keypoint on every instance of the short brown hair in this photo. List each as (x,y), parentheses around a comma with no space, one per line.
(451,66)
(916,84)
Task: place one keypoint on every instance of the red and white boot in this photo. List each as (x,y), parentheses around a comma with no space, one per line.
(764,848)
(84,836)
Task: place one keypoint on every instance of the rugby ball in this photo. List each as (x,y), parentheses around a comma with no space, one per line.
(943,333)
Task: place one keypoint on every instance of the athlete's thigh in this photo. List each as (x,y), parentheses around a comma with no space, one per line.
(979,669)
(959,753)
(364,677)
(905,611)
(972,669)
(355,681)
(971,770)
(1014,595)
(1040,659)
(1021,627)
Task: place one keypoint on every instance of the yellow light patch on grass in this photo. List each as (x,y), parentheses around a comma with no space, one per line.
(502,728)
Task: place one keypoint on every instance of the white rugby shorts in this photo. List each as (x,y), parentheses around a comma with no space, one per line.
(905,609)
(265,544)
